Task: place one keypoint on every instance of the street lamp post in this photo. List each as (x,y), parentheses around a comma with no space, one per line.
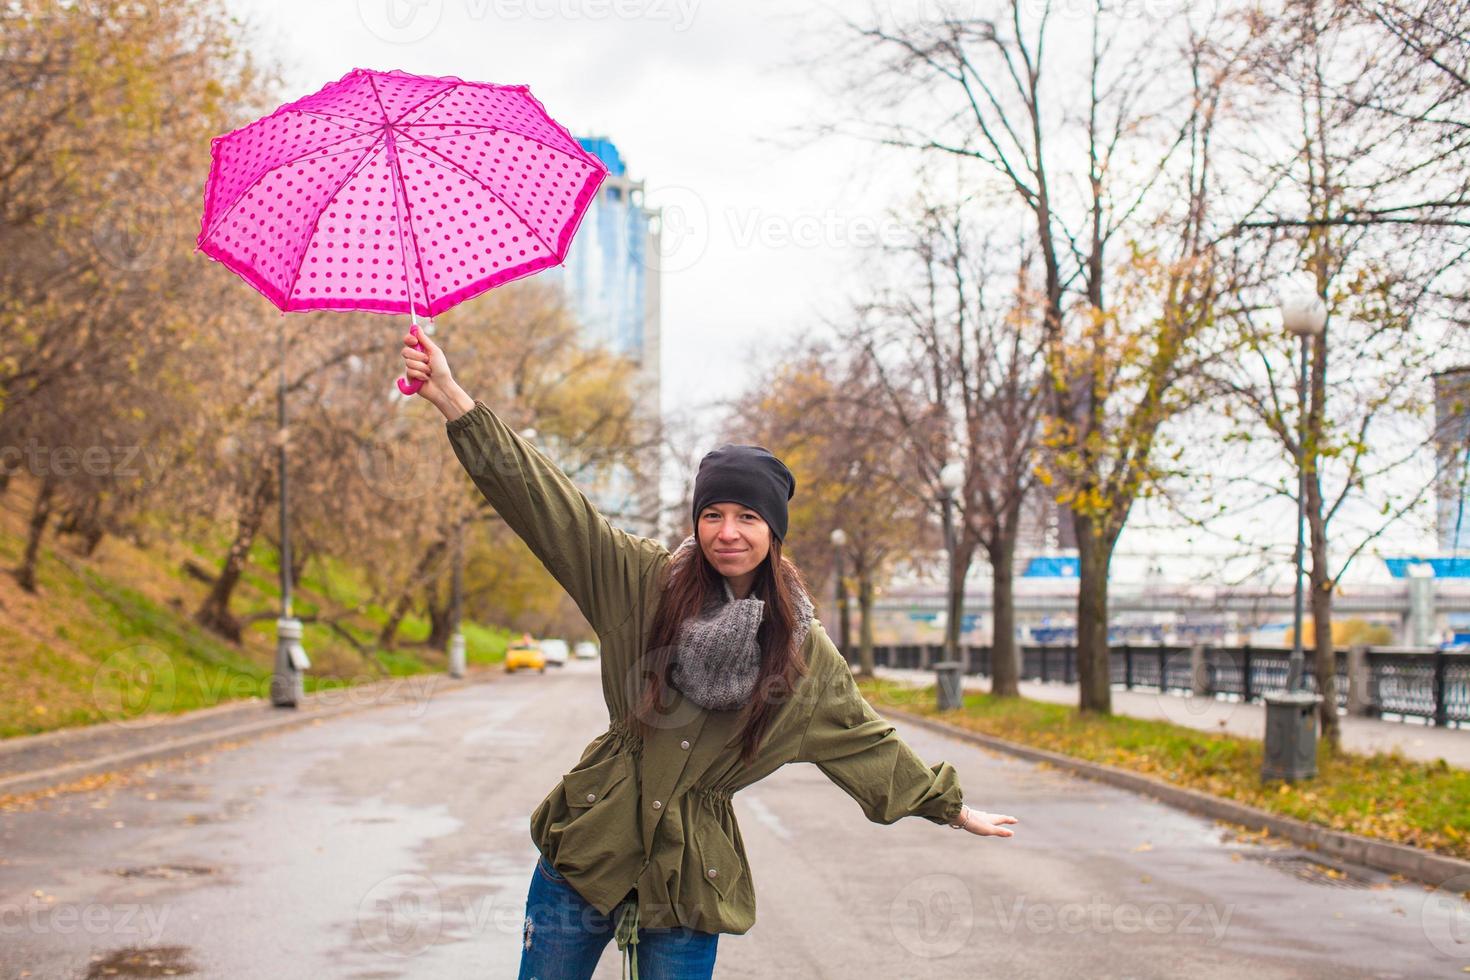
(1291,716)
(950,671)
(839,543)
(951,478)
(287,686)
(456,615)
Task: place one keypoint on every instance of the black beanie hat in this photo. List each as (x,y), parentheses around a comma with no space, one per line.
(748,475)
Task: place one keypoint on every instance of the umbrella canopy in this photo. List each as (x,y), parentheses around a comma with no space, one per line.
(395,193)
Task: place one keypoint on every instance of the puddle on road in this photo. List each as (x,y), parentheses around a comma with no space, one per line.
(230,811)
(164,872)
(143,961)
(1290,858)
(172,790)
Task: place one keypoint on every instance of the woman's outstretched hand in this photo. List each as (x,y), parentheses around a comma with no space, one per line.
(432,368)
(984,824)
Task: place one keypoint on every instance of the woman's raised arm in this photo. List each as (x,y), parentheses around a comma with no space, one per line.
(603,568)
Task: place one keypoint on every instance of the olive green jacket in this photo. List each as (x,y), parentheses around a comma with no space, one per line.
(655,814)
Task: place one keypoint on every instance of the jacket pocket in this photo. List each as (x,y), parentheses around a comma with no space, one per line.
(588,787)
(599,832)
(719,861)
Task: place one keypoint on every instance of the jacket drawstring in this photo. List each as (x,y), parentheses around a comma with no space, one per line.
(627,935)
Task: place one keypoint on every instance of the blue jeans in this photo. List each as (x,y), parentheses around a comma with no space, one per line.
(564,936)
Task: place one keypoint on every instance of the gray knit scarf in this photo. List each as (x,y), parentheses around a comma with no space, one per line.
(718,656)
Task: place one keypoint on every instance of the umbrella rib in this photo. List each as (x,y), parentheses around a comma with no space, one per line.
(264,173)
(403,242)
(494,129)
(473,132)
(487,187)
(317,223)
(437,95)
(330,116)
(338,153)
(379,98)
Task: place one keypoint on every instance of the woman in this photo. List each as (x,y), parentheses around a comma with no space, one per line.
(715,675)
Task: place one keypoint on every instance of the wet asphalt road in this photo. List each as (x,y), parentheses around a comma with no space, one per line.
(393,842)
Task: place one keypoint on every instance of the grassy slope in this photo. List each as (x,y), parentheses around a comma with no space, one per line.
(112,636)
(1424,804)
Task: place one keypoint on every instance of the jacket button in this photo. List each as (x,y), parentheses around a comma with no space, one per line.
(713,873)
(684,744)
(591,797)
(657,805)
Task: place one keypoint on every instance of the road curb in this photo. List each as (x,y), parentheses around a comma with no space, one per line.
(1411,862)
(314,707)
(61,736)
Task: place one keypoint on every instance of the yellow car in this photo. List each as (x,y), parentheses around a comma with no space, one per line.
(524,654)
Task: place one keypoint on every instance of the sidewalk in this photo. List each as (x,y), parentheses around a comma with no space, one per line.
(33,762)
(1365,736)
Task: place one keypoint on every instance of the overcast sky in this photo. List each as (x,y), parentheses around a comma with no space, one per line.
(702,102)
(766,230)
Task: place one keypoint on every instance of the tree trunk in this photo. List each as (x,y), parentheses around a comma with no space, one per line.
(865,629)
(214,613)
(85,522)
(91,537)
(1094,677)
(844,624)
(441,620)
(1324,661)
(1324,658)
(388,637)
(40,514)
(299,557)
(1004,669)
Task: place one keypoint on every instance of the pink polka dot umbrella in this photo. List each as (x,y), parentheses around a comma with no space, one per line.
(395,193)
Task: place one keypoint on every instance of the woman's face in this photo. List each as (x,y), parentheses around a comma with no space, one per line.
(735,539)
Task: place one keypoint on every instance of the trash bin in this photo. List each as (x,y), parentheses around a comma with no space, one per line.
(1291,735)
(950,675)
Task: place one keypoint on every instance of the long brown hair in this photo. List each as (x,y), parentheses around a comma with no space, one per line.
(691,582)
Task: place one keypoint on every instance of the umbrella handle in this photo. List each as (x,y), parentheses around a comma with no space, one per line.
(404,384)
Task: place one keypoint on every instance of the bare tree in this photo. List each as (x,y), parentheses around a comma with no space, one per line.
(1359,194)
(816,412)
(1107,155)
(111,106)
(960,377)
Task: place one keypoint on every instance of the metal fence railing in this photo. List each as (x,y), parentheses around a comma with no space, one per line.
(1407,683)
